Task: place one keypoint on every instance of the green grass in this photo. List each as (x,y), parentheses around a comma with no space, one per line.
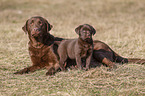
(119,23)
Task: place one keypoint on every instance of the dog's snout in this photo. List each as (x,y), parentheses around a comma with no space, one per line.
(36,32)
(88,34)
(36,29)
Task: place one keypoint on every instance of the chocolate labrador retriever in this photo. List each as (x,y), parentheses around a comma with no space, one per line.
(43,49)
(78,48)
(40,46)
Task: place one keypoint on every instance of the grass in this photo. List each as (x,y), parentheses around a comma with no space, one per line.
(119,23)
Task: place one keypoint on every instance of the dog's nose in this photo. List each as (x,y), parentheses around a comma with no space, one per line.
(88,35)
(36,29)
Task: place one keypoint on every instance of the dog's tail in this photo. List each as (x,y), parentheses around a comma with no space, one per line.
(136,60)
(117,58)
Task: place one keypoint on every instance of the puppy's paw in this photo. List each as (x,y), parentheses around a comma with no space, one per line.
(86,69)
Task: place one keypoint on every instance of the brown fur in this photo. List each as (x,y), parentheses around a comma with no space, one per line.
(78,48)
(40,46)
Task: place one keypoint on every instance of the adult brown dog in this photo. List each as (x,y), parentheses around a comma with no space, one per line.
(43,49)
(40,46)
(78,48)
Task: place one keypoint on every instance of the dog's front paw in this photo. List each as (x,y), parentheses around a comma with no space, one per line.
(86,69)
(80,68)
(24,71)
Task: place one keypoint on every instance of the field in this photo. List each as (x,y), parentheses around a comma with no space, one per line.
(119,23)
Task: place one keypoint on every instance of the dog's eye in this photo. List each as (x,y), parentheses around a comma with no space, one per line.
(32,22)
(40,22)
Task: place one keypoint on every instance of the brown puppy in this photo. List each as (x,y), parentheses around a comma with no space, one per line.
(78,48)
(40,46)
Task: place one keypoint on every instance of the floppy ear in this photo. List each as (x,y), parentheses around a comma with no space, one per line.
(93,30)
(25,29)
(49,27)
(77,30)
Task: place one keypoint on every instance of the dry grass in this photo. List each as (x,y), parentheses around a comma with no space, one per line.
(119,23)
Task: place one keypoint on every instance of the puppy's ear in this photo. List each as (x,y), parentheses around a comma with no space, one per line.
(49,27)
(93,30)
(25,29)
(78,29)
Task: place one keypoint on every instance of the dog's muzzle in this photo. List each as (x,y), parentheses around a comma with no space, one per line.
(37,29)
(36,32)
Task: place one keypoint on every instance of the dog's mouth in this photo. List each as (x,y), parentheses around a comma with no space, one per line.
(88,40)
(35,35)
(36,32)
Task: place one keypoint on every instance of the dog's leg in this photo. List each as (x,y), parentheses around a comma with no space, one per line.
(99,56)
(88,60)
(52,69)
(28,69)
(117,58)
(79,62)
(109,63)
(62,62)
(120,59)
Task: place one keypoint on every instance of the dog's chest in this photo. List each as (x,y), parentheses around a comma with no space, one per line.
(38,52)
(44,55)
(85,51)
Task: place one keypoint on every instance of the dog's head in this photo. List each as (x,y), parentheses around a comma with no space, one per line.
(36,27)
(85,32)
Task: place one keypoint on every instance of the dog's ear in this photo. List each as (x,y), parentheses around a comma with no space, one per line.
(25,29)
(49,27)
(77,30)
(93,30)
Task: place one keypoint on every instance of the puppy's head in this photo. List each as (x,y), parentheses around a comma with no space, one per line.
(36,27)
(85,32)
